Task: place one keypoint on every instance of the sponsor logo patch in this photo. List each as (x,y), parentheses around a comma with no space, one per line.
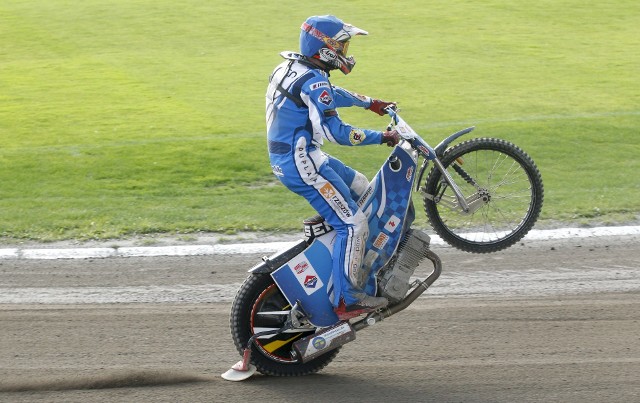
(356,136)
(277,170)
(311,281)
(315,86)
(328,54)
(365,196)
(330,193)
(409,173)
(319,342)
(381,241)
(392,224)
(325,98)
(301,267)
(306,275)
(327,191)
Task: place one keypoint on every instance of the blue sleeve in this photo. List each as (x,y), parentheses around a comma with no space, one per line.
(321,98)
(345,98)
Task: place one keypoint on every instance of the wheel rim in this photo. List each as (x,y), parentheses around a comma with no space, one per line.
(506,197)
(270,312)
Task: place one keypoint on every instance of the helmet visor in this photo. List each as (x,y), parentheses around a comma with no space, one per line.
(348,31)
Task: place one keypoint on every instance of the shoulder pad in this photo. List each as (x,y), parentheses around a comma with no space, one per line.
(289,55)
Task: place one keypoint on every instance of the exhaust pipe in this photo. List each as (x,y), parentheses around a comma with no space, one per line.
(409,299)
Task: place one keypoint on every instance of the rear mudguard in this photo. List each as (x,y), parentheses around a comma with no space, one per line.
(271,263)
(314,227)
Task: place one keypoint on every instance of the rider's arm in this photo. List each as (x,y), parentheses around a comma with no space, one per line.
(317,94)
(346,98)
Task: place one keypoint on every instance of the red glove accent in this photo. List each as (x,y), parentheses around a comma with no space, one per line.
(378,106)
(391,137)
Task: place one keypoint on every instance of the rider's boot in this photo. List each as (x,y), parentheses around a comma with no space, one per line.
(365,305)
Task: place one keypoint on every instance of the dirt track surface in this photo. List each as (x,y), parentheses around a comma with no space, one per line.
(579,343)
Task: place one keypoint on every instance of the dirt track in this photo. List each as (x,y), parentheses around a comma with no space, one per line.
(570,345)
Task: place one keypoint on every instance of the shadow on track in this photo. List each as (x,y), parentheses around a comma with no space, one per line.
(129,379)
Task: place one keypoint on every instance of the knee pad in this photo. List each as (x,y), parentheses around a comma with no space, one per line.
(359,184)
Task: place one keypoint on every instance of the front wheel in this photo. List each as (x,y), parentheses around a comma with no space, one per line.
(259,306)
(502,187)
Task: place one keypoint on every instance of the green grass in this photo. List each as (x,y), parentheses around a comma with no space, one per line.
(134,117)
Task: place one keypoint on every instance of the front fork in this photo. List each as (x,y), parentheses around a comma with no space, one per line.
(466,205)
(462,202)
(439,151)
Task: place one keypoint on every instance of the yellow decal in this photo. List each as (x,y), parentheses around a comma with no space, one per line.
(356,136)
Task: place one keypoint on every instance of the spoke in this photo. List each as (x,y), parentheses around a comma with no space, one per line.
(269,329)
(514,175)
(511,196)
(273,313)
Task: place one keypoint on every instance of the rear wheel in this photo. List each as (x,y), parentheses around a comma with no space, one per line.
(502,186)
(260,306)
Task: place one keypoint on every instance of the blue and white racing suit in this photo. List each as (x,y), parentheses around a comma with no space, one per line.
(301,112)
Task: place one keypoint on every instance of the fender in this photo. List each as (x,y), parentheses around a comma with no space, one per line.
(440,148)
(313,228)
(271,263)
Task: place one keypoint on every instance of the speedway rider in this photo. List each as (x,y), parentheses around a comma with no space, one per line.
(301,111)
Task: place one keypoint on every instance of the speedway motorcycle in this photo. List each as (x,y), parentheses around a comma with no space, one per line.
(481,196)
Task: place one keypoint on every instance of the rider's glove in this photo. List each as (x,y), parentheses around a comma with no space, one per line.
(390,137)
(379,106)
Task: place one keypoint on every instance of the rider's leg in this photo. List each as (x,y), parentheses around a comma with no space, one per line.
(331,198)
(324,189)
(357,182)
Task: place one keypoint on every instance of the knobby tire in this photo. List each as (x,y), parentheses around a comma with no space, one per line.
(514,186)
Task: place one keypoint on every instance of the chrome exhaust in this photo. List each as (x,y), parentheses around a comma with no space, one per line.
(409,299)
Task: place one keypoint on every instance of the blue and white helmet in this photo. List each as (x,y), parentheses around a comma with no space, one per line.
(326,38)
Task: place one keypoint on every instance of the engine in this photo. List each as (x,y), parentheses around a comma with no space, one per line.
(395,278)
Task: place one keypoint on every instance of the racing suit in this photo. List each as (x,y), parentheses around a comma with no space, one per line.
(301,111)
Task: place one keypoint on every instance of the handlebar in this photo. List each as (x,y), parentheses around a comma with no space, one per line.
(408,134)
(392,110)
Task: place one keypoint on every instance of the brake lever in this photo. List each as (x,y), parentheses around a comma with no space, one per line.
(392,110)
